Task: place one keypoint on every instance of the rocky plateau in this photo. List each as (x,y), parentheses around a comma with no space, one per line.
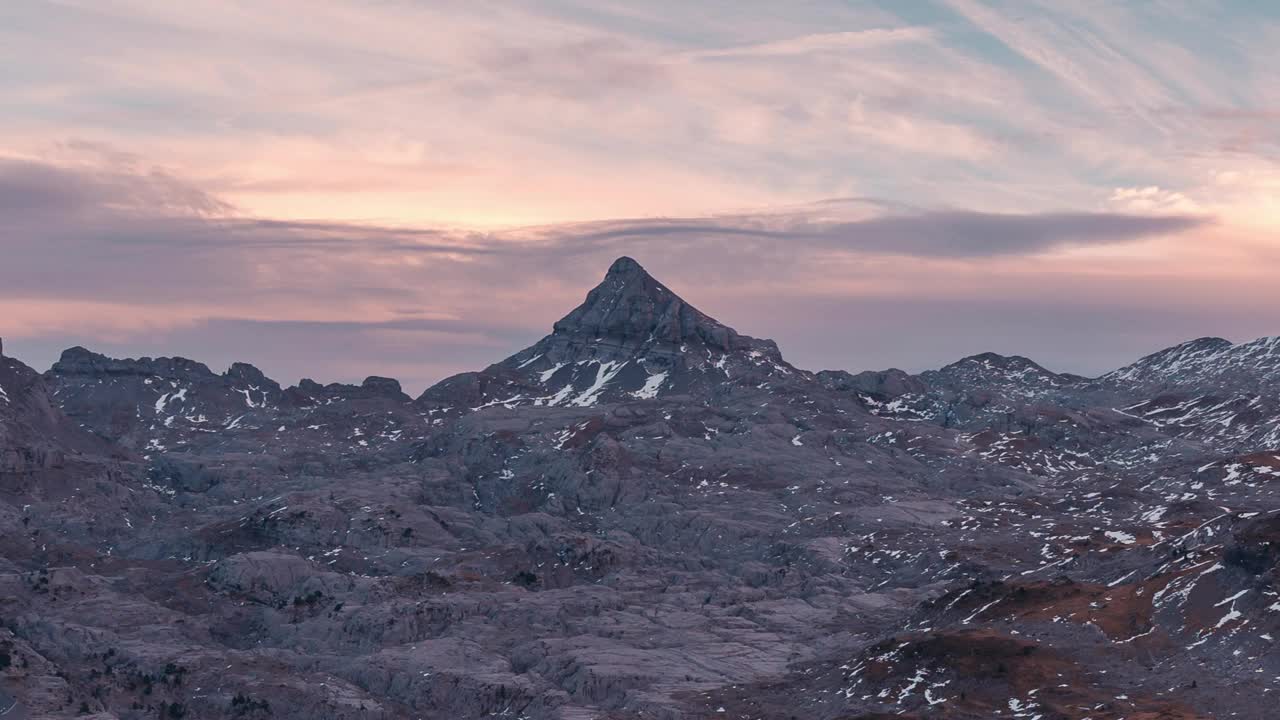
(644,515)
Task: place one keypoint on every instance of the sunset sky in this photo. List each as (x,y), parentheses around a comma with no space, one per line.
(410,188)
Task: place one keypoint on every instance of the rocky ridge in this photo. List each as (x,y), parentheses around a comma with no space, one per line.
(631,339)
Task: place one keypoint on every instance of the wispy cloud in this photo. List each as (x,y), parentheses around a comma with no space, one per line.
(526,112)
(137,255)
(216,166)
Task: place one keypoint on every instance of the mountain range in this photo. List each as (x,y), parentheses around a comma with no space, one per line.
(644,515)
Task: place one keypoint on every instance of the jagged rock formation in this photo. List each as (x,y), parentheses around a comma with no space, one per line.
(1210,390)
(155,405)
(631,339)
(1204,363)
(34,435)
(645,514)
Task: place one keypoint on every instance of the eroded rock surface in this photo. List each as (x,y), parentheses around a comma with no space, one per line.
(644,515)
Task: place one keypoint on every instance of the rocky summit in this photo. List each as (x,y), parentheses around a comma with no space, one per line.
(644,515)
(631,339)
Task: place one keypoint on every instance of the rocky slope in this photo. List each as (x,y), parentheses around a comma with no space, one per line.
(1208,389)
(632,339)
(645,514)
(34,435)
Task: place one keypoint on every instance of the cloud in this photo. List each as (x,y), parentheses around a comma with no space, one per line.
(113,252)
(828,42)
(470,164)
(148,210)
(1153,199)
(124,232)
(582,70)
(520,113)
(961,234)
(930,234)
(33,188)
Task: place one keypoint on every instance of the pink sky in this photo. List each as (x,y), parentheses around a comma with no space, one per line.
(338,189)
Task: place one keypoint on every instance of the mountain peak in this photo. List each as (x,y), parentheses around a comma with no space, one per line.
(631,338)
(81,361)
(1186,357)
(626,266)
(630,309)
(996,360)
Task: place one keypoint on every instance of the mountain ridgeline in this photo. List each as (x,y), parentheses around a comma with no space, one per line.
(632,338)
(645,514)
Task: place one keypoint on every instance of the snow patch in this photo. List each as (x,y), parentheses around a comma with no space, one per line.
(651,386)
(606,373)
(1121,537)
(545,375)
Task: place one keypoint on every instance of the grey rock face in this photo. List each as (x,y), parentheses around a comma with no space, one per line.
(34,435)
(1209,390)
(142,403)
(154,406)
(1189,362)
(631,311)
(631,339)
(562,536)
